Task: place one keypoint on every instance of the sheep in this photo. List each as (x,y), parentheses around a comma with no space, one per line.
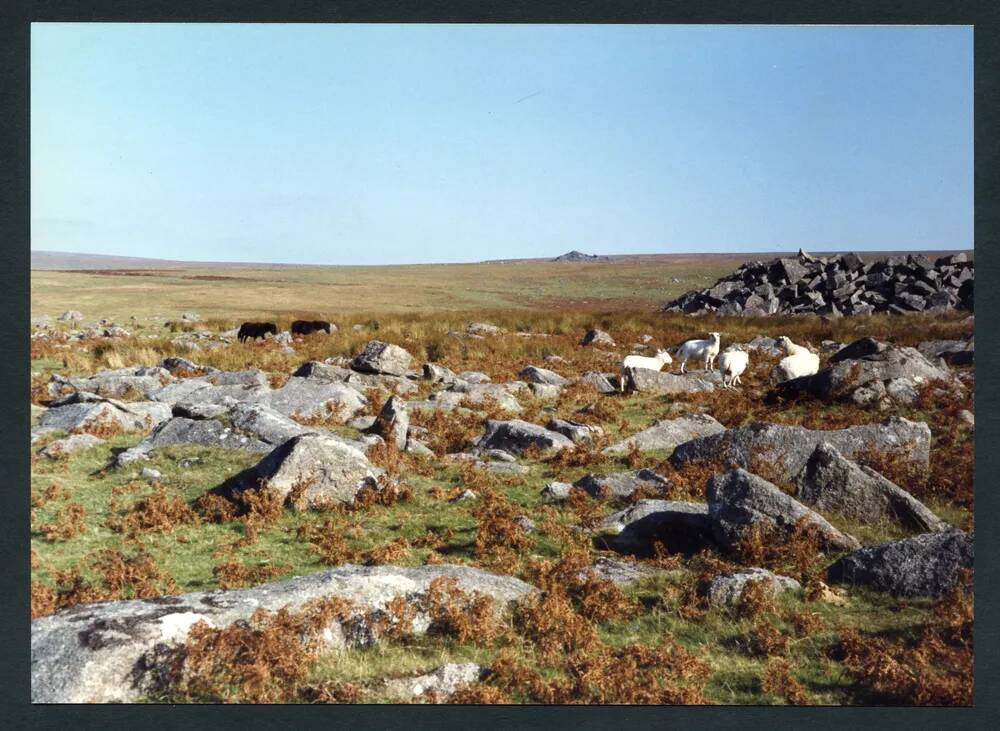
(706,349)
(655,363)
(799,362)
(732,363)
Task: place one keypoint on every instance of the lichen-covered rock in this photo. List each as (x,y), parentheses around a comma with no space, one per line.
(576,431)
(925,565)
(556,490)
(142,382)
(440,683)
(647,380)
(515,436)
(392,422)
(86,412)
(597,337)
(199,390)
(867,363)
(668,433)
(475,395)
(534,374)
(832,483)
(621,484)
(726,589)
(739,500)
(379,357)
(438,374)
(680,527)
(309,471)
(786,449)
(305,397)
(600,382)
(68,445)
(205,432)
(621,572)
(264,423)
(115,651)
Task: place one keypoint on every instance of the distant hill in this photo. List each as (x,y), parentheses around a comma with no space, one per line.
(580,256)
(54,260)
(72,261)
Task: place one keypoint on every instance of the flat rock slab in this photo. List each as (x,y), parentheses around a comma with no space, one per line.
(142,381)
(623,573)
(265,424)
(832,483)
(101,653)
(90,413)
(305,397)
(668,433)
(725,590)
(504,468)
(442,682)
(786,449)
(739,500)
(575,431)
(253,377)
(646,380)
(515,436)
(199,390)
(925,565)
(68,445)
(681,527)
(478,394)
(317,371)
(616,485)
(204,432)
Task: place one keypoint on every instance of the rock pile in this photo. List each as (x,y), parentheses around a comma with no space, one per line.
(837,285)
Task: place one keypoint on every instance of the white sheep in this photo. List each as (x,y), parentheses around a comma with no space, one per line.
(799,362)
(732,363)
(655,363)
(700,349)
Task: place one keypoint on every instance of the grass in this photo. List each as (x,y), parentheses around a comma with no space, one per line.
(350,290)
(428,527)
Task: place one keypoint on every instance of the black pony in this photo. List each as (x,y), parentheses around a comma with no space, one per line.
(308,327)
(253,330)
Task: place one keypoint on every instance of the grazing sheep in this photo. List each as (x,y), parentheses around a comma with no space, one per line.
(732,363)
(702,349)
(655,363)
(799,362)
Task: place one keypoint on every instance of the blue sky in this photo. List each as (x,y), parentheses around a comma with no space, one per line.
(365,144)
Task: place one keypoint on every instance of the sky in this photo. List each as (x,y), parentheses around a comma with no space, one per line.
(393,144)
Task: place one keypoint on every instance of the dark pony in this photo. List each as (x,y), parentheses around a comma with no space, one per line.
(308,327)
(253,330)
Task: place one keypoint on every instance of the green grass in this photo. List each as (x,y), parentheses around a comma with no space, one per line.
(186,554)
